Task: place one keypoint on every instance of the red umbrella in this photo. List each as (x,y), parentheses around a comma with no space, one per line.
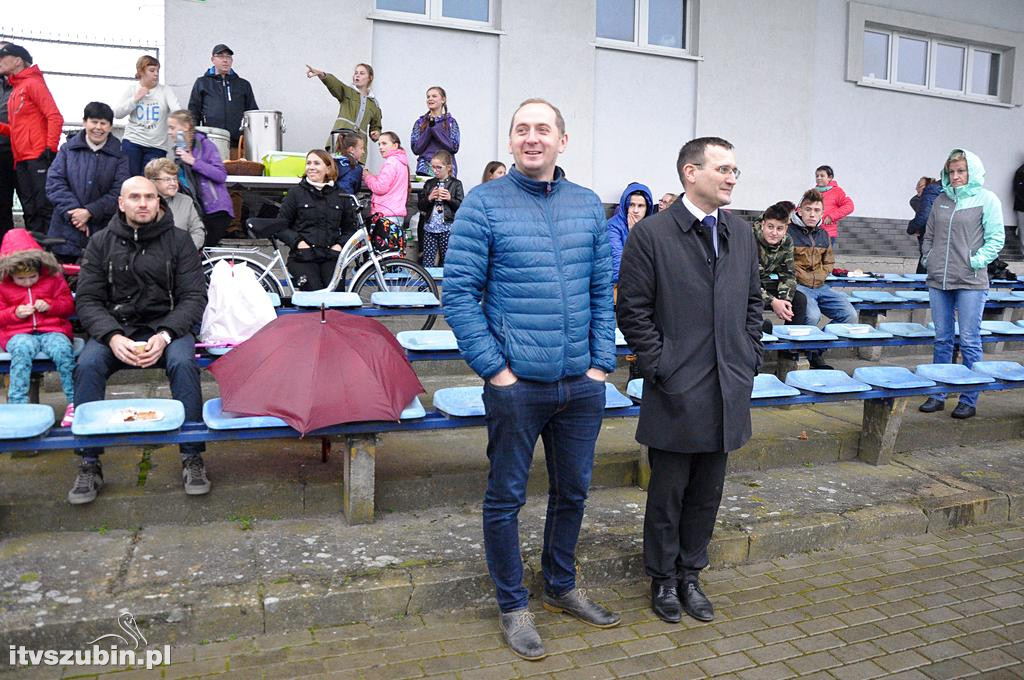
(314,370)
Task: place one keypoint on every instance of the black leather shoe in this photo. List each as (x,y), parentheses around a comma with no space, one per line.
(932,405)
(963,411)
(665,603)
(576,603)
(695,602)
(818,363)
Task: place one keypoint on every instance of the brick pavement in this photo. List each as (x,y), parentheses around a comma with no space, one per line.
(933,606)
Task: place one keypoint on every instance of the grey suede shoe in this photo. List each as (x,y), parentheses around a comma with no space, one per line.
(576,603)
(521,634)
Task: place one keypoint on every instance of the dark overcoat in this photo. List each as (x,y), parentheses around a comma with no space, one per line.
(694,323)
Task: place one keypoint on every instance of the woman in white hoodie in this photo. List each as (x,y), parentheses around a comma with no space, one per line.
(146,103)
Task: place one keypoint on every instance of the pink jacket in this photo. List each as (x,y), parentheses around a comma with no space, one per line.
(391,187)
(837,206)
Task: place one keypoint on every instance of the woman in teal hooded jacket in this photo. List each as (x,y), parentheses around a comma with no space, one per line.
(964,233)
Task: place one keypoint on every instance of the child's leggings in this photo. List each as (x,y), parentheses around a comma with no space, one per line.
(23,347)
(435,246)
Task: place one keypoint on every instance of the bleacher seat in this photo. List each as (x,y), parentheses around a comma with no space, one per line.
(890,377)
(21,421)
(463,402)
(434,341)
(877,296)
(896,278)
(436,273)
(802,333)
(218,419)
(906,330)
(1002,327)
(315,298)
(956,328)
(275,299)
(620,339)
(1000,370)
(105,417)
(615,399)
(952,374)
(912,295)
(404,299)
(767,385)
(996,295)
(856,331)
(768,337)
(824,381)
(916,277)
(77,345)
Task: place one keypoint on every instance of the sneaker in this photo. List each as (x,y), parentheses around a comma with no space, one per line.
(69,416)
(520,632)
(576,603)
(87,484)
(193,476)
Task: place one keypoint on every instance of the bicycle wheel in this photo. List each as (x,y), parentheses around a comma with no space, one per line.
(402,276)
(265,276)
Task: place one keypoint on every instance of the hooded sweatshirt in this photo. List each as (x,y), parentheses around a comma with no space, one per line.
(391,187)
(775,261)
(618,223)
(18,248)
(964,233)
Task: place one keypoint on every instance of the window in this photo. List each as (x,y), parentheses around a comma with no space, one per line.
(658,24)
(443,11)
(930,64)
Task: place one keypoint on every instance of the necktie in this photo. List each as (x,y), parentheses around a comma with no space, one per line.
(712,224)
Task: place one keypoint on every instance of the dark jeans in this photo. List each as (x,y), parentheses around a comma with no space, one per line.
(567,416)
(682,503)
(312,274)
(139,155)
(97,363)
(8,182)
(216,227)
(31,177)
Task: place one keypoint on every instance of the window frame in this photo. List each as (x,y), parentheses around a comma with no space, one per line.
(641,27)
(433,15)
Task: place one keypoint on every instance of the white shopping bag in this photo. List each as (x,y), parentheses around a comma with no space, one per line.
(237,307)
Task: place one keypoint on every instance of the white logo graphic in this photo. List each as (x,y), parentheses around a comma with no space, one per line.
(127,623)
(94,655)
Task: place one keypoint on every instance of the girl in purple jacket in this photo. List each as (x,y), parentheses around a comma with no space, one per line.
(436,130)
(201,174)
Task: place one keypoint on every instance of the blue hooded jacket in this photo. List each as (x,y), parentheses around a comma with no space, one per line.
(618,229)
(528,279)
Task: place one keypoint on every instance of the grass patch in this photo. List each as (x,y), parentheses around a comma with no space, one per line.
(244,522)
(145,465)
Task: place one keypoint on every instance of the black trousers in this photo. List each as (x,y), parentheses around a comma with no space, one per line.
(8,183)
(216,227)
(311,275)
(682,504)
(31,178)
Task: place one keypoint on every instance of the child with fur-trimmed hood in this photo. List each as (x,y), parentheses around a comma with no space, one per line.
(35,303)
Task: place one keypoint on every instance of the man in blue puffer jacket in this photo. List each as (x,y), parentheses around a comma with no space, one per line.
(528,293)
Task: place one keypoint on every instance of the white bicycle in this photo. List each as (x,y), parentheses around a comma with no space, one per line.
(360,269)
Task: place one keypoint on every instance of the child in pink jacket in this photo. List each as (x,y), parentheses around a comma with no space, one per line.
(391,187)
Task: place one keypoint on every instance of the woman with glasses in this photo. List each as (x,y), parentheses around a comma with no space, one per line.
(164,174)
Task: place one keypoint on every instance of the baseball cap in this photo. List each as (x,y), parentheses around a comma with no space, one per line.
(12,50)
(217,49)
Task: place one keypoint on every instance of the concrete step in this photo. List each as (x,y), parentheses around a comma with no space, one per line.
(184,583)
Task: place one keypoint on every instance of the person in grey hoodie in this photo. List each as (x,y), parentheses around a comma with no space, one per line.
(963,234)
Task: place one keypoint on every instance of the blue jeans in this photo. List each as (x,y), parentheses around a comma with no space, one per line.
(97,362)
(567,416)
(831,303)
(23,347)
(139,155)
(969,306)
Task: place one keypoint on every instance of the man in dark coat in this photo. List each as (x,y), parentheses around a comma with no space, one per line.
(84,181)
(140,292)
(690,308)
(220,97)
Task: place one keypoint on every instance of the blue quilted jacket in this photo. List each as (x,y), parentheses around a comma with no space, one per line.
(528,279)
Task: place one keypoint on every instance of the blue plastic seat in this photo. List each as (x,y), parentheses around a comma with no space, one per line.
(802,333)
(856,331)
(916,277)
(890,377)
(998,295)
(436,273)
(404,299)
(956,328)
(635,388)
(825,381)
(1002,327)
(106,417)
(218,351)
(767,385)
(433,341)
(878,296)
(615,399)
(315,298)
(768,337)
(620,339)
(951,374)
(77,345)
(460,401)
(218,419)
(275,299)
(896,278)
(21,421)
(1018,295)
(912,295)
(1000,370)
(906,330)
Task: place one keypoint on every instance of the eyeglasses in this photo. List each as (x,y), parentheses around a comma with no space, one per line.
(437,168)
(722,169)
(165,180)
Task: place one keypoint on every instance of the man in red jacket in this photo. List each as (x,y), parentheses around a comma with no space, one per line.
(33,127)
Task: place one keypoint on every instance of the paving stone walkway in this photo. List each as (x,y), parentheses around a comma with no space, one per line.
(933,606)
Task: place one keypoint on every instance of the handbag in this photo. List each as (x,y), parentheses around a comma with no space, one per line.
(238,306)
